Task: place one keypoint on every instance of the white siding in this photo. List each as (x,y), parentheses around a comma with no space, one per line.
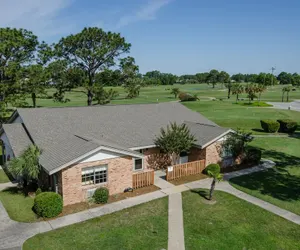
(103,155)
(8,148)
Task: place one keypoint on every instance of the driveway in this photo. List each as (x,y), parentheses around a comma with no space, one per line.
(295,105)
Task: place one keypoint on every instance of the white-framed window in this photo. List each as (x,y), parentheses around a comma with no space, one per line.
(138,164)
(94,175)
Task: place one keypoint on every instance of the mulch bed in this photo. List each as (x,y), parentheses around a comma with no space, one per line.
(189,178)
(236,167)
(78,207)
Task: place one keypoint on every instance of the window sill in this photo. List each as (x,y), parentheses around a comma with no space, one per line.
(89,186)
(138,170)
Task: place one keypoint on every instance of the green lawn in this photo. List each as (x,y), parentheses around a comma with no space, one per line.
(232,224)
(281,185)
(18,206)
(3,176)
(231,115)
(153,94)
(141,227)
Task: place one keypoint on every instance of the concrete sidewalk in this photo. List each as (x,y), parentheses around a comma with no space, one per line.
(176,230)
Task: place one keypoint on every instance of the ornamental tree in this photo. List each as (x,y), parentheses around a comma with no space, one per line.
(214,171)
(174,140)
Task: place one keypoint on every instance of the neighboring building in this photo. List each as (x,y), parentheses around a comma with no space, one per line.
(87,147)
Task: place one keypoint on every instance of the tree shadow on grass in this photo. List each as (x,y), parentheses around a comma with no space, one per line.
(276,182)
(201,192)
(258,130)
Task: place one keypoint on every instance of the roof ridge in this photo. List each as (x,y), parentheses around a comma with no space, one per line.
(203,124)
(103,106)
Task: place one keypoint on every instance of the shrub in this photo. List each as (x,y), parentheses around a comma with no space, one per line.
(287,126)
(213,170)
(38,191)
(253,155)
(185,97)
(48,204)
(101,195)
(270,126)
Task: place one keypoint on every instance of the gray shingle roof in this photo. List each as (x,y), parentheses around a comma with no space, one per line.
(65,134)
(17,137)
(205,133)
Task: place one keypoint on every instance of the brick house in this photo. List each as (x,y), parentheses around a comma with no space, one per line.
(87,147)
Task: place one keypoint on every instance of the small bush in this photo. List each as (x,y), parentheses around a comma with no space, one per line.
(185,97)
(101,195)
(270,126)
(48,204)
(253,155)
(287,126)
(38,191)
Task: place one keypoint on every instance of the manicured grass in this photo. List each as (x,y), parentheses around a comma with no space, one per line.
(141,227)
(255,104)
(17,205)
(154,94)
(280,185)
(232,223)
(3,176)
(231,115)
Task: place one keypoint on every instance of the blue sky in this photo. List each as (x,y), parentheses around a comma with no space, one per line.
(177,36)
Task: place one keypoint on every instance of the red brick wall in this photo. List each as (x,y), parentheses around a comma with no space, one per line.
(119,177)
(212,154)
(197,154)
(155,160)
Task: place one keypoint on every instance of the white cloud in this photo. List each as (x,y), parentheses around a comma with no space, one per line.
(146,12)
(39,16)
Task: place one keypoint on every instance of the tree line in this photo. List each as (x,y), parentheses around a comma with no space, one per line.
(90,59)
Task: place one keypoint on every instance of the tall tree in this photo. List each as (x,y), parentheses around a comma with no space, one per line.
(92,50)
(174,140)
(223,77)
(33,80)
(237,89)
(213,77)
(296,79)
(228,85)
(17,48)
(202,77)
(285,78)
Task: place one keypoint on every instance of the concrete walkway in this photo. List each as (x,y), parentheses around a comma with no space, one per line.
(176,230)
(13,234)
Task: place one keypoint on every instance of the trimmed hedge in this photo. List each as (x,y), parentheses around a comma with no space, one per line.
(253,155)
(48,204)
(101,195)
(185,97)
(270,126)
(38,191)
(287,125)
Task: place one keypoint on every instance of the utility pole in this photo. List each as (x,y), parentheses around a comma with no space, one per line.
(272,69)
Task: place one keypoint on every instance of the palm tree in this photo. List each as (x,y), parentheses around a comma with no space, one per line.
(260,88)
(287,90)
(214,171)
(27,165)
(237,89)
(283,91)
(175,92)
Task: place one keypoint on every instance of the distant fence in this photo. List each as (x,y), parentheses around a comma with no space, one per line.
(143,179)
(180,170)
